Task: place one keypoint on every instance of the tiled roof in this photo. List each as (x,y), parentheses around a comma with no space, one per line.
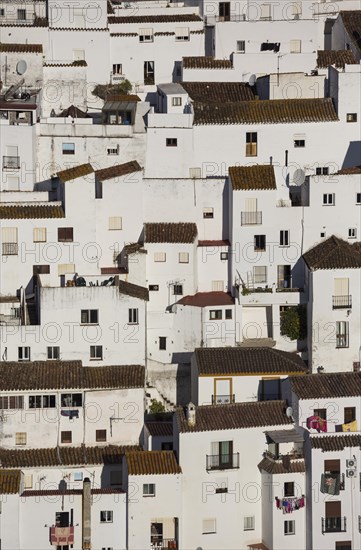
(110,9)
(133,248)
(204,299)
(129,98)
(319,386)
(117,171)
(135,291)
(224,242)
(79,492)
(152,463)
(335,442)
(160,429)
(277,467)
(56,375)
(9,482)
(31,211)
(259,176)
(350,170)
(66,456)
(275,111)
(206,62)
(170,232)
(218,92)
(352,24)
(21,48)
(76,172)
(73,112)
(9,299)
(77,63)
(179,18)
(253,414)
(247,361)
(333,253)
(339,58)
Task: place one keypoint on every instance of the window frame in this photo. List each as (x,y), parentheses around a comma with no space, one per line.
(101,436)
(171,142)
(177,290)
(358,198)
(326,199)
(342,337)
(68,150)
(24,353)
(183,257)
(93,353)
(287,525)
(146,492)
(50,353)
(351,117)
(299,143)
(20,438)
(89,313)
(107,516)
(284,238)
(215,314)
(260,243)
(65,234)
(208,212)
(162,343)
(252,528)
(177,101)
(352,233)
(251,144)
(66,437)
(260,278)
(228,314)
(133,316)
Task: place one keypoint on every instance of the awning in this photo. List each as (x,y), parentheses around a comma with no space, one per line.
(285,436)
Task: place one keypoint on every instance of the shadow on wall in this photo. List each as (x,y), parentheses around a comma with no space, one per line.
(353,155)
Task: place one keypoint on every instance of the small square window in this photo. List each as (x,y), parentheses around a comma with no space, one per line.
(145,35)
(106,516)
(176,101)
(228,314)
(289,489)
(117,68)
(289,527)
(224,256)
(209,526)
(21,15)
(66,437)
(295,46)
(65,234)
(322,171)
(133,316)
(178,290)
(323,234)
(162,342)
(241,46)
(248,523)
(328,199)
(351,117)
(68,149)
(208,212)
(39,235)
(20,438)
(96,353)
(53,352)
(153,288)
(148,489)
(113,150)
(100,435)
(358,198)
(183,258)
(24,353)
(352,233)
(115,223)
(299,142)
(260,243)
(78,476)
(215,314)
(89,317)
(160,256)
(171,142)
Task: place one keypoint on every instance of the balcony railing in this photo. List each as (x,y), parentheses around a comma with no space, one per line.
(223,462)
(9,249)
(334,525)
(158,543)
(222,399)
(11,163)
(251,218)
(342,302)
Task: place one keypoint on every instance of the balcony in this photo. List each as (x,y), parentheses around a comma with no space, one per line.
(222,399)
(251,218)
(342,302)
(11,163)
(9,249)
(334,525)
(223,462)
(158,543)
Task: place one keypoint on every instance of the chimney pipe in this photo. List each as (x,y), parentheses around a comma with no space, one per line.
(86,516)
(191,414)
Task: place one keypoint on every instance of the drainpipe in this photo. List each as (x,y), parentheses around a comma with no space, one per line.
(86,516)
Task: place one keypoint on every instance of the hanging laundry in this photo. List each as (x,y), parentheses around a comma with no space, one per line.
(350,426)
(290,504)
(330,484)
(316,423)
(70,414)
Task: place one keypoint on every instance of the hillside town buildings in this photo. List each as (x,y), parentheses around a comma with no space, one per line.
(180,281)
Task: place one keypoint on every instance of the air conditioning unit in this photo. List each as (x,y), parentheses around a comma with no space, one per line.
(351,463)
(350,473)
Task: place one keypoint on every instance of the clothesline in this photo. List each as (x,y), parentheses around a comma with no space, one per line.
(290,504)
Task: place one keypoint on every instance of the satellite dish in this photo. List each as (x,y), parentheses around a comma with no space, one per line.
(252,80)
(289,412)
(21,67)
(298,177)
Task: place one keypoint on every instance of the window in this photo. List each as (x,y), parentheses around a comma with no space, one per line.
(116,477)
(321,413)
(208,526)
(349,414)
(289,489)
(78,55)
(12,402)
(89,317)
(241,46)
(259,274)
(195,173)
(284,237)
(162,342)
(53,352)
(171,142)
(78,476)
(352,233)
(64,269)
(21,15)
(71,400)
(323,234)
(265,12)
(351,117)
(106,516)
(145,35)
(289,527)
(358,198)
(28,481)
(20,438)
(68,148)
(181,34)
(342,334)
(149,72)
(115,223)
(208,212)
(42,401)
(178,290)
(100,435)
(251,144)
(66,437)
(228,314)
(322,171)
(328,199)
(65,234)
(224,256)
(215,314)
(2,12)
(96,353)
(39,235)
(9,237)
(299,142)
(260,243)
(296,8)
(343,545)
(217,286)
(167,446)
(133,317)
(24,353)
(160,256)
(295,46)
(248,523)
(183,257)
(117,68)
(176,101)
(148,489)
(153,288)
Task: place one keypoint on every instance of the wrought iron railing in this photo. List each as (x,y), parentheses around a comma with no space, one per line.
(342,302)
(334,525)
(223,461)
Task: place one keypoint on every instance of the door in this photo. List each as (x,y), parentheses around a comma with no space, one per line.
(222,390)
(284,276)
(333,516)
(149,72)
(224,11)
(225,454)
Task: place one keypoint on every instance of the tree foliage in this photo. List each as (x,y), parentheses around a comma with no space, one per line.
(156,407)
(105,90)
(294,322)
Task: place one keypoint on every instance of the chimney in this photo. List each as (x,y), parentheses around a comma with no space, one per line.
(86,516)
(191,414)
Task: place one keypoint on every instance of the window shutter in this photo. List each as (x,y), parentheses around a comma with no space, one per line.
(332,466)
(64,269)
(159,256)
(146,32)
(333,509)
(115,222)
(217,286)
(341,286)
(265,11)
(295,46)
(251,205)
(209,526)
(9,234)
(183,257)
(182,31)
(39,234)
(28,481)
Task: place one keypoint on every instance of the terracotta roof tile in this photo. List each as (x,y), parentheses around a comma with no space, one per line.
(204,299)
(9,299)
(333,253)
(247,361)
(206,62)
(179,18)
(275,111)
(253,414)
(259,176)
(31,211)
(170,232)
(10,482)
(152,463)
(135,291)
(77,172)
(319,386)
(277,467)
(129,98)
(218,92)
(160,429)
(224,242)
(21,48)
(339,58)
(133,248)
(52,375)
(118,171)
(350,170)
(56,492)
(352,24)
(66,456)
(335,442)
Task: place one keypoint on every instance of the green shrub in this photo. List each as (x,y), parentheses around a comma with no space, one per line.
(294,322)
